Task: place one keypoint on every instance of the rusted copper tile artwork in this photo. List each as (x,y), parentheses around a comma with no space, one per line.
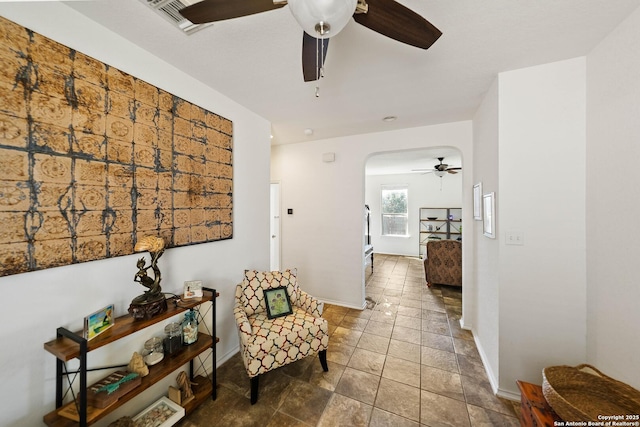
(92,158)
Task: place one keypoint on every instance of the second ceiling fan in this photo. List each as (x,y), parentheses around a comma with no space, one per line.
(440,169)
(322,19)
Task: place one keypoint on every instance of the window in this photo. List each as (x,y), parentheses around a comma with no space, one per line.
(394,211)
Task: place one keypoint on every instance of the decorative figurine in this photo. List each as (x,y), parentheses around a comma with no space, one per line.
(137,365)
(152,302)
(186,394)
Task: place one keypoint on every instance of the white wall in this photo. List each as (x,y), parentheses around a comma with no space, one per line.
(424,190)
(37,303)
(486,252)
(613,202)
(324,238)
(541,151)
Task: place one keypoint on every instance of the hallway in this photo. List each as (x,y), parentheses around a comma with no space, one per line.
(402,361)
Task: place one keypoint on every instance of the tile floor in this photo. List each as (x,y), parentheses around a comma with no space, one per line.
(402,361)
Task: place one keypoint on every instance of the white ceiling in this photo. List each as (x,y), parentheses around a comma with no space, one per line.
(255,60)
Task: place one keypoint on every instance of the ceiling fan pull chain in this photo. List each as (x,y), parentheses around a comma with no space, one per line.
(317,69)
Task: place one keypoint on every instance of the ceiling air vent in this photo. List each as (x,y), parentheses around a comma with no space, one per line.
(169,9)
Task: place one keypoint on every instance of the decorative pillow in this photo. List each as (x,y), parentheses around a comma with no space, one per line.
(256,281)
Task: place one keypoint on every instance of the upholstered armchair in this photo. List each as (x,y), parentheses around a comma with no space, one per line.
(269,343)
(443,262)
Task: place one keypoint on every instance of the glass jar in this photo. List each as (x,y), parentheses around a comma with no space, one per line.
(153,351)
(172,338)
(189,328)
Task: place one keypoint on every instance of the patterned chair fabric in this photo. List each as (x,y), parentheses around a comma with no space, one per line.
(443,262)
(267,344)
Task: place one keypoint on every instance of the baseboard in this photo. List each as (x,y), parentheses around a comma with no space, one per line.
(228,355)
(487,368)
(465,325)
(509,395)
(342,304)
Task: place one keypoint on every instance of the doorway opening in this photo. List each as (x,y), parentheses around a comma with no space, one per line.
(404,190)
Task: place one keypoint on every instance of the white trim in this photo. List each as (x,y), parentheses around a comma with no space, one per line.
(493,380)
(509,395)
(342,304)
(227,356)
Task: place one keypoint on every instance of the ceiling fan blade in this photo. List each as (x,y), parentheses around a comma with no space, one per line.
(451,171)
(314,52)
(398,22)
(219,10)
(454,169)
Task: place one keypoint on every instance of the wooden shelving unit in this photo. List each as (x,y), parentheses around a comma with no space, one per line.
(439,223)
(71,345)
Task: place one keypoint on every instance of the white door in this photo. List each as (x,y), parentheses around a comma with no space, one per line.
(275,226)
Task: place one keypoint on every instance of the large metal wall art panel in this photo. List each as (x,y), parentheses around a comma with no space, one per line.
(92,159)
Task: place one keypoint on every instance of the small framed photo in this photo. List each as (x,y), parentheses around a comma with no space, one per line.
(477,201)
(489,220)
(193,289)
(98,322)
(278,303)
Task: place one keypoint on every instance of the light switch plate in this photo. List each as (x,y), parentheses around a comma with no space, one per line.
(514,238)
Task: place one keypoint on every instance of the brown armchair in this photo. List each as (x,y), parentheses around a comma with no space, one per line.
(443,262)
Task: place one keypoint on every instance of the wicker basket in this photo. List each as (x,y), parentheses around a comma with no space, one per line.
(581,393)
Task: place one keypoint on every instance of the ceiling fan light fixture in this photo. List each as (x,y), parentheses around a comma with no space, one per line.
(440,174)
(322,18)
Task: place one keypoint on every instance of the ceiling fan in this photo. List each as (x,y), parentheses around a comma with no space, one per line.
(441,169)
(322,19)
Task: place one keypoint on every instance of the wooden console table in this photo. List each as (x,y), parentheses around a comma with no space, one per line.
(534,409)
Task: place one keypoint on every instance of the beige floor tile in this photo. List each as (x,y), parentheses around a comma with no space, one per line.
(410,311)
(400,333)
(408,322)
(360,314)
(355,323)
(382,317)
(402,371)
(441,342)
(466,347)
(479,393)
(339,353)
(327,380)
(380,418)
(410,300)
(399,399)
(434,315)
(282,420)
(441,382)
(382,329)
(439,359)
(367,361)
(388,292)
(471,367)
(481,417)
(358,385)
(305,402)
(376,343)
(342,410)
(436,327)
(345,336)
(437,410)
(404,350)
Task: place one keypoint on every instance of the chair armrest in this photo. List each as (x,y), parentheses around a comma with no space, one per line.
(310,304)
(244,327)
